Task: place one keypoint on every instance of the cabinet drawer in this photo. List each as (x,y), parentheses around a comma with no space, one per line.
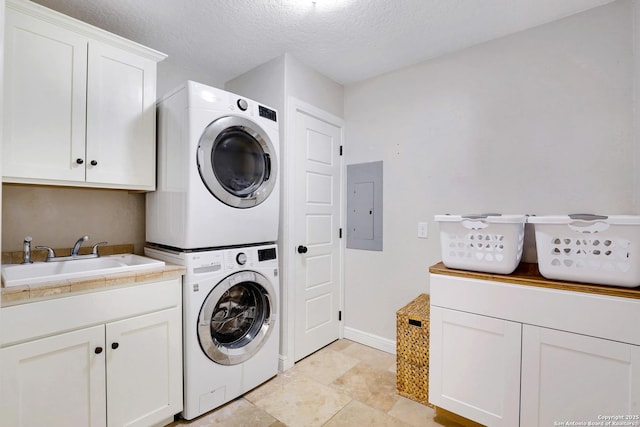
(613,318)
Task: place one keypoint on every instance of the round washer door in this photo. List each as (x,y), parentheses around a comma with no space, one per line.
(237,318)
(237,161)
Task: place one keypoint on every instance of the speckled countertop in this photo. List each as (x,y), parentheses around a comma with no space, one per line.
(61,288)
(528,274)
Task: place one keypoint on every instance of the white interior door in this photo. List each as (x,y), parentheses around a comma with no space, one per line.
(317,222)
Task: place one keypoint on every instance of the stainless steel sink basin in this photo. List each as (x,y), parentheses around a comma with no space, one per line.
(40,272)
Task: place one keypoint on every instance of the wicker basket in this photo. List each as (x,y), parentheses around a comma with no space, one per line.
(412,350)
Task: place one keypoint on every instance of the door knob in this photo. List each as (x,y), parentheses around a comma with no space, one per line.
(115,345)
(98,350)
(302,249)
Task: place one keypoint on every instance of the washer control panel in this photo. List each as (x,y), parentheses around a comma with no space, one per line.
(250,257)
(204,262)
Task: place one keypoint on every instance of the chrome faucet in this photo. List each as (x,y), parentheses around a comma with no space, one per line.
(26,249)
(51,255)
(76,247)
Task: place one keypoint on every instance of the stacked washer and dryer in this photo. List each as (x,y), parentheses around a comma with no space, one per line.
(216,212)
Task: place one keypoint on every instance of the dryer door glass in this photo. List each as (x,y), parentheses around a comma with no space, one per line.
(237,162)
(237,318)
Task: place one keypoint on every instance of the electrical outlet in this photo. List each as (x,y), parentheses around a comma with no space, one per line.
(423,230)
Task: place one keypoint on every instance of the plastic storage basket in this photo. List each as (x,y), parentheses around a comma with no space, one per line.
(589,248)
(489,242)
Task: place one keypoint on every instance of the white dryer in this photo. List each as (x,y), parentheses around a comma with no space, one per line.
(217,171)
(230,322)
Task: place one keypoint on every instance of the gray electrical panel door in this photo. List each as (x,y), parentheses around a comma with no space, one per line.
(364,206)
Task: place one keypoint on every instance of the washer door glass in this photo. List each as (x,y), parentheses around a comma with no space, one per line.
(237,318)
(237,162)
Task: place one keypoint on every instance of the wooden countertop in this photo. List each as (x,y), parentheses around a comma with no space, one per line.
(62,288)
(527,274)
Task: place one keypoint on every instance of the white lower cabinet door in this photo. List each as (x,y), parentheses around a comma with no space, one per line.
(575,378)
(144,369)
(474,366)
(57,381)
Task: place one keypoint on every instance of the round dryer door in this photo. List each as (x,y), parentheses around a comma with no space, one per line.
(237,161)
(237,318)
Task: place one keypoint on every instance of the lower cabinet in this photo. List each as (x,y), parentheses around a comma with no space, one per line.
(55,381)
(571,377)
(475,366)
(144,384)
(510,355)
(121,373)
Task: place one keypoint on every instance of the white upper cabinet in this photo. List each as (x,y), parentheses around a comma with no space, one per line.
(45,100)
(121,96)
(79,103)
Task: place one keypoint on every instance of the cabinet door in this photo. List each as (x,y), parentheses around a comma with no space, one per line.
(121,92)
(55,381)
(45,101)
(474,366)
(570,377)
(144,369)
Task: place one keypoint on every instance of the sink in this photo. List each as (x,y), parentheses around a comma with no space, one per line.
(40,272)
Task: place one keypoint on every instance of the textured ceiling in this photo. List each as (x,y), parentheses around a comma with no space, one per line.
(347,40)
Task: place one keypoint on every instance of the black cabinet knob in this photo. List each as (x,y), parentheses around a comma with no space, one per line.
(79,161)
(302,249)
(115,345)
(94,163)
(98,350)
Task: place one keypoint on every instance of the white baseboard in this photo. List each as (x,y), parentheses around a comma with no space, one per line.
(284,363)
(380,343)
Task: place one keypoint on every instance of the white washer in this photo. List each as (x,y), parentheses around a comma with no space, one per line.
(217,171)
(230,322)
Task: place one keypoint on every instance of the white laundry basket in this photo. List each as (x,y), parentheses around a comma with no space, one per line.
(489,242)
(589,248)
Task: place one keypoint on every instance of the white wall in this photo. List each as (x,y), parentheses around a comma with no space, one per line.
(171,75)
(310,86)
(1,103)
(538,122)
(264,84)
(636,102)
(284,76)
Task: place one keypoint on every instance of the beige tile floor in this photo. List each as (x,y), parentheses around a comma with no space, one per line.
(343,384)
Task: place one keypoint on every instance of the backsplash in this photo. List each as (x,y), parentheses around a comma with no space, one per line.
(58,216)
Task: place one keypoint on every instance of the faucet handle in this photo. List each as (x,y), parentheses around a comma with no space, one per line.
(95,247)
(50,252)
